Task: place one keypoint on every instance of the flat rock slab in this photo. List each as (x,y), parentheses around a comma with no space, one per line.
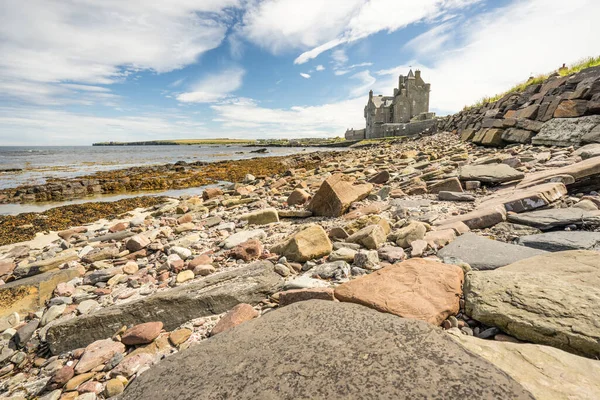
(29,294)
(39,267)
(556,217)
(326,350)
(521,200)
(547,373)
(485,254)
(550,299)
(577,172)
(489,173)
(561,241)
(565,131)
(212,295)
(416,288)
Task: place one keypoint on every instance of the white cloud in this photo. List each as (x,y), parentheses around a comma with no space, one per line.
(214,87)
(279,25)
(29,125)
(305,76)
(498,49)
(430,42)
(366,83)
(320,68)
(301,121)
(375,16)
(49,41)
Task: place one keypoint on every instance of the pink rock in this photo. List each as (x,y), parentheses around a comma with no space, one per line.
(64,289)
(132,364)
(294,296)
(90,387)
(98,353)
(238,314)
(142,333)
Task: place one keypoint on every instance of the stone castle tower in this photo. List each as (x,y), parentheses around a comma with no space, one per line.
(410,103)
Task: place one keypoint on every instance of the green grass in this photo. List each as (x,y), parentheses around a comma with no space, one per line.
(182,142)
(573,69)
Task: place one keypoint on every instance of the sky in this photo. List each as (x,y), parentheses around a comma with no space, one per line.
(74,72)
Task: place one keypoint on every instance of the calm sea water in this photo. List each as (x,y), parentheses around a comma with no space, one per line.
(40,163)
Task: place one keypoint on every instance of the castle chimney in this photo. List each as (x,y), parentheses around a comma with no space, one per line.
(370,94)
(417,74)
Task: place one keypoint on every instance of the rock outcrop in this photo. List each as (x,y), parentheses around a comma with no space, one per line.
(290,368)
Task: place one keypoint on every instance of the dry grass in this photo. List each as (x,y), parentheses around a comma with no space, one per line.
(573,69)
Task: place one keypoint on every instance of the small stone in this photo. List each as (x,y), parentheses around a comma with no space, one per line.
(298,197)
(182,252)
(137,242)
(77,380)
(204,270)
(342,254)
(472,185)
(130,268)
(418,247)
(247,251)
(282,270)
(185,276)
(261,217)
(413,231)
(114,387)
(237,315)
(210,193)
(367,260)
(97,353)
(142,333)
(371,237)
(179,336)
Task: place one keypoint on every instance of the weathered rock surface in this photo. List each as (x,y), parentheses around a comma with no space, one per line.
(29,294)
(566,131)
(336,194)
(39,267)
(549,299)
(485,254)
(212,295)
(304,359)
(479,218)
(561,241)
(416,288)
(546,372)
(309,243)
(557,217)
(489,173)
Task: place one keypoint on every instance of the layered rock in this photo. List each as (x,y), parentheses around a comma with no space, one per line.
(289,367)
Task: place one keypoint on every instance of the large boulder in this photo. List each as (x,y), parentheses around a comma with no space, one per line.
(563,240)
(326,350)
(482,253)
(336,194)
(212,295)
(546,372)
(566,131)
(489,173)
(309,243)
(416,288)
(549,299)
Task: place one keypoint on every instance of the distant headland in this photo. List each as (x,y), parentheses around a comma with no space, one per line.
(305,142)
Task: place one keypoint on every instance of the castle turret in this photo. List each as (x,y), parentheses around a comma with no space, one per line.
(370,94)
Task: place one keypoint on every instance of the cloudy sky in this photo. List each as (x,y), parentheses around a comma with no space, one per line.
(81,71)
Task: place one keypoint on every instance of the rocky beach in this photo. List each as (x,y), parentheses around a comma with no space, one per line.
(463,263)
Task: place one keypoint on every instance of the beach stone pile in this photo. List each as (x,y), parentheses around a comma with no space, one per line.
(358,278)
(560,111)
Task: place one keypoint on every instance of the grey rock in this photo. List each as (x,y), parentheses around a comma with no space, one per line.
(367,259)
(550,299)
(561,241)
(455,196)
(336,270)
(557,217)
(303,359)
(485,254)
(489,173)
(566,131)
(241,237)
(588,151)
(342,254)
(112,236)
(212,295)
(25,332)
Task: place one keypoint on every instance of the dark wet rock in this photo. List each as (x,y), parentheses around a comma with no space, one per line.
(304,358)
(558,217)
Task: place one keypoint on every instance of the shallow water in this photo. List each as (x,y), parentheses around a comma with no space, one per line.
(41,163)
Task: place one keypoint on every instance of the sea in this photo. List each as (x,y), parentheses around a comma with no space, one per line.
(34,165)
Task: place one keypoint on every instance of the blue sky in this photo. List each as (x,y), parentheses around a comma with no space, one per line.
(77,72)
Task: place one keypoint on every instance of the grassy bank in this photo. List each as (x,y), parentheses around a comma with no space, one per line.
(534,80)
(179,142)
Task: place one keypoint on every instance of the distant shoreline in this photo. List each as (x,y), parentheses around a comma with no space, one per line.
(312,142)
